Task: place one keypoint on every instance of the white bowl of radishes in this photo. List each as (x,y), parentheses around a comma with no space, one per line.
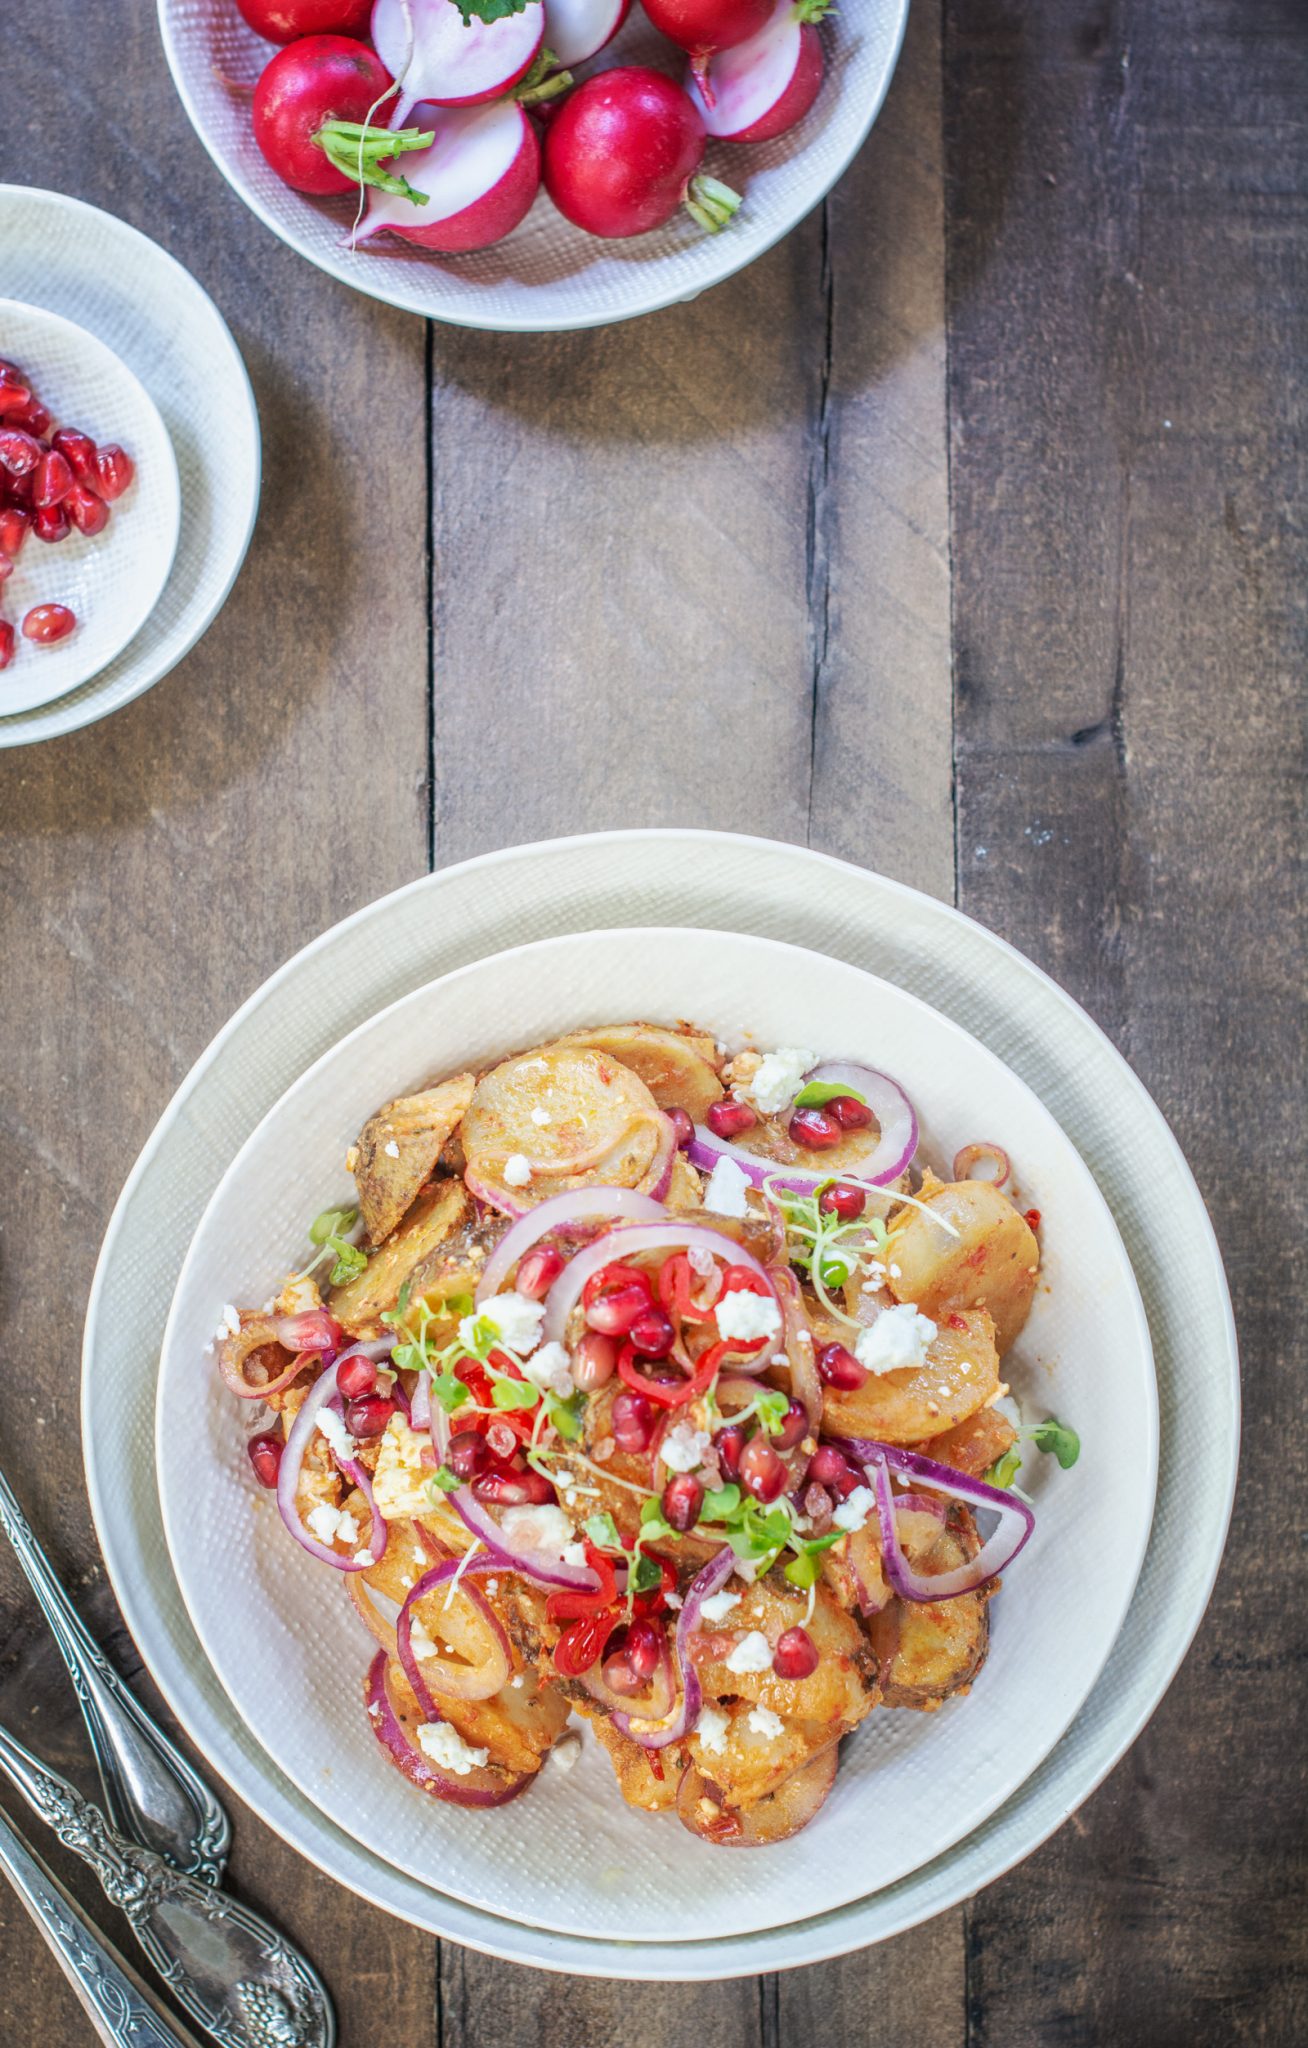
(531,165)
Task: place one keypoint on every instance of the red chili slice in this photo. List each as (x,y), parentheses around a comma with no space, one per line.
(616,1275)
(567,1606)
(676,1278)
(582,1644)
(675,1393)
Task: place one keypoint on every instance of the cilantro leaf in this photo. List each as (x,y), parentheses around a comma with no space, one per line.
(817,1093)
(603,1532)
(1057,1438)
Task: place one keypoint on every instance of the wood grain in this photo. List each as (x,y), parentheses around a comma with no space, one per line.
(1127,488)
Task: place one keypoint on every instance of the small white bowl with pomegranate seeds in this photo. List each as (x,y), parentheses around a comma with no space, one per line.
(90,506)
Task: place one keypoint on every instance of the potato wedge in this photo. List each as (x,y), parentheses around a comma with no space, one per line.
(930,1651)
(398,1148)
(407,1253)
(991,1264)
(652,1788)
(960,1373)
(680,1068)
(774,1818)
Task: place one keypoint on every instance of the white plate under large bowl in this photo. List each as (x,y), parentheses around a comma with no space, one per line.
(111,580)
(71,259)
(547,275)
(286,1643)
(697,879)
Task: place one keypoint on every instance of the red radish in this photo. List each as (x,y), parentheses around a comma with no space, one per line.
(281,21)
(576,29)
(758,89)
(440,57)
(623,153)
(46,623)
(6,643)
(311,109)
(478,178)
(705,26)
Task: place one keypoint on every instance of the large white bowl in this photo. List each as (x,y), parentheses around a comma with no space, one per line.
(547,275)
(571,1856)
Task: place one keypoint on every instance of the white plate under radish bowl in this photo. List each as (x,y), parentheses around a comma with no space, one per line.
(570,1856)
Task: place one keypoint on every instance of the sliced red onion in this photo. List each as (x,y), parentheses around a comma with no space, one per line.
(480,1787)
(969,1157)
(710,1581)
(660,1172)
(542,1569)
(579,1205)
(623,1244)
(471,1682)
(801,1346)
(420,1406)
(1003,1544)
(895,1147)
(310,1334)
(324,1393)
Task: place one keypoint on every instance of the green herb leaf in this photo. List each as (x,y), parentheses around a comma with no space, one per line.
(350,1260)
(817,1093)
(458,1305)
(770,1408)
(489,10)
(651,1519)
(1005,1470)
(447,1481)
(515,1394)
(803,1570)
(332,1223)
(1055,1437)
(646,1574)
(449,1391)
(603,1532)
(566,1415)
(720,1504)
(402,1303)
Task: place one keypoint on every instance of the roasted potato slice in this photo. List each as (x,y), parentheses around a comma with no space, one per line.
(991,1264)
(407,1254)
(398,1148)
(603,1127)
(837,1695)
(748,1763)
(958,1376)
(680,1068)
(930,1650)
(975,1445)
(641,1784)
(703,1809)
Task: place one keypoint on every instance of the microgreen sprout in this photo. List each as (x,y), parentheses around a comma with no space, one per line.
(330,1233)
(1056,1439)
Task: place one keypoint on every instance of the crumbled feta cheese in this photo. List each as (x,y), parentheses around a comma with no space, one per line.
(545,1528)
(517,1682)
(674,1601)
(855,1509)
(719,1605)
(683,1448)
(896,1340)
(895,1272)
(711,1729)
(391,1149)
(778,1077)
(363,1557)
(517,1171)
(516,1318)
(565,1752)
(747,1316)
(338,1436)
(401,1479)
(230,1325)
(725,1193)
(447,1748)
(764,1722)
(752,1653)
(540,1117)
(420,1641)
(332,1525)
(574,1553)
(548,1369)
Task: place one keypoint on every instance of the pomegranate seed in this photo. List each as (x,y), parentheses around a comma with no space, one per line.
(614,1312)
(17,489)
(501,1439)
(14,397)
(6,567)
(795,1655)
(683,1497)
(683,1128)
(369,1415)
(19,453)
(78,450)
(728,1117)
(632,1421)
(595,1361)
(838,1366)
(830,1468)
(513,1489)
(86,511)
(46,623)
(761,1470)
(817,1506)
(729,1443)
(538,1269)
(793,1425)
(52,479)
(644,1647)
(846,1202)
(10,373)
(849,1112)
(115,469)
(34,417)
(631,1658)
(13,530)
(50,523)
(467,1454)
(265,1453)
(356,1376)
(6,643)
(814,1129)
(652,1334)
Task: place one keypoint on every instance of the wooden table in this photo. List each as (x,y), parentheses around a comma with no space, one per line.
(962,536)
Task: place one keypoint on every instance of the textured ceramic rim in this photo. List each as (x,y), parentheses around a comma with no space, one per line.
(409,302)
(1011,1835)
(84,706)
(552,961)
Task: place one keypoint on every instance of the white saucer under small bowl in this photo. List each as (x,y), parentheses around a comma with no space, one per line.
(110,581)
(147,327)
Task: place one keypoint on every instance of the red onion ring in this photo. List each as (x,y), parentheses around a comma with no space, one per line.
(481,1787)
(479,1683)
(622,1244)
(713,1577)
(965,1160)
(323,1392)
(579,1205)
(805,1383)
(1004,1543)
(895,1147)
(310,1334)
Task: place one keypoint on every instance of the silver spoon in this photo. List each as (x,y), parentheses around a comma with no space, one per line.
(225,1965)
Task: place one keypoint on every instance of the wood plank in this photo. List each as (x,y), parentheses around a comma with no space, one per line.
(1127,234)
(157,866)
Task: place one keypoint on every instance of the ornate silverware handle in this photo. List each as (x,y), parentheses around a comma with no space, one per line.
(113,1997)
(150,1790)
(225,1965)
